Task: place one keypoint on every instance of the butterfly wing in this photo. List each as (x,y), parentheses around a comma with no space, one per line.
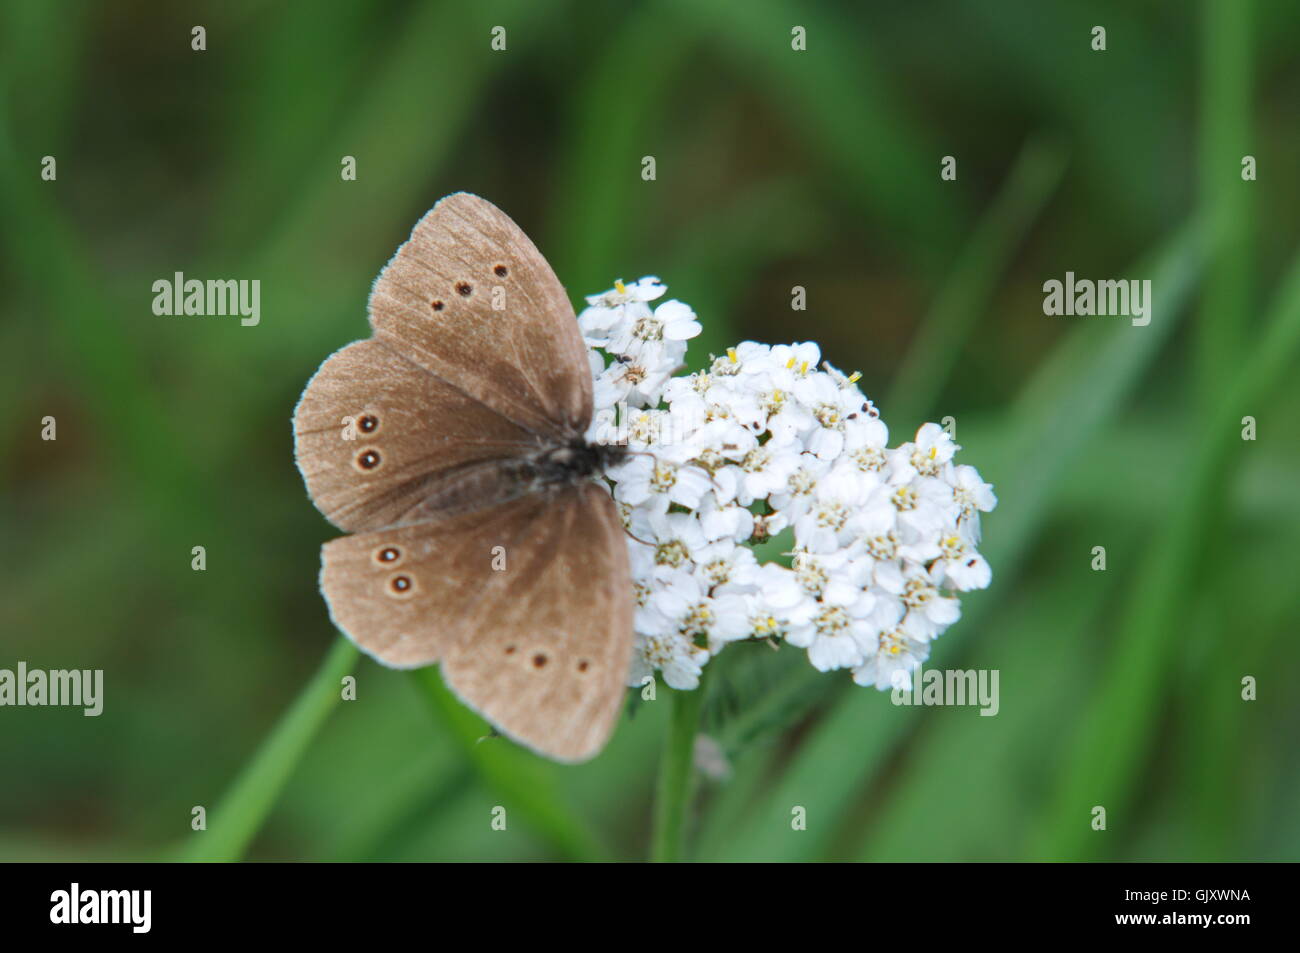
(469,298)
(407,594)
(381,441)
(546,663)
(476,362)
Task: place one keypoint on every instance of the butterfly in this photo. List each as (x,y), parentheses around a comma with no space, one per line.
(451,446)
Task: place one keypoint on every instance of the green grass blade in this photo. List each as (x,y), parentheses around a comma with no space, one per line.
(965,293)
(1116,735)
(1225,138)
(899,186)
(235,821)
(527,784)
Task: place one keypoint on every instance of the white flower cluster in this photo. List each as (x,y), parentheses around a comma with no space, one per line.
(768,439)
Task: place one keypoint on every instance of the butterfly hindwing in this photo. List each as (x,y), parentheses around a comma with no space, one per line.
(408,594)
(547,662)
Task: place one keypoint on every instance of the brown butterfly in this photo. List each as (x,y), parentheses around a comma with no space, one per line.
(451,445)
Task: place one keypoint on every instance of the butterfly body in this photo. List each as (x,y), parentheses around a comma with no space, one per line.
(578,460)
(450,446)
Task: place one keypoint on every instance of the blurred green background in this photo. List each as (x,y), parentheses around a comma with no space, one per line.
(775,168)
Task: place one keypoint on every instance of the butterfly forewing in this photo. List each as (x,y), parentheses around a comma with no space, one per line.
(378,437)
(470,298)
(547,662)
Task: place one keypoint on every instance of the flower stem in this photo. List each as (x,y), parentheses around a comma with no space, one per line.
(676,771)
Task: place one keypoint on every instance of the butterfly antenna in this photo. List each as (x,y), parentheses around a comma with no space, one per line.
(641,453)
(644,542)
